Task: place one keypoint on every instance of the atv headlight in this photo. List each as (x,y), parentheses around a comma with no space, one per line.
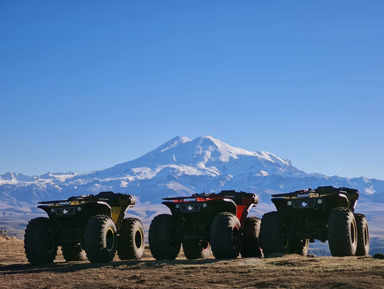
(289,203)
(319,201)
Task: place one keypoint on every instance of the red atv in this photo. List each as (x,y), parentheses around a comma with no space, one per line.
(205,222)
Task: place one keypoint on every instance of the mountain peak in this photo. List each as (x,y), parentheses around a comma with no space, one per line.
(12,176)
(209,140)
(173,143)
(204,155)
(209,137)
(8,176)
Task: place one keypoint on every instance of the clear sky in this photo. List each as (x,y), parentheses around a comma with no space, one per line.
(85,85)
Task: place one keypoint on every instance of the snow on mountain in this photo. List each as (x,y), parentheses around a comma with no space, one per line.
(17,178)
(17,189)
(182,166)
(13,178)
(202,156)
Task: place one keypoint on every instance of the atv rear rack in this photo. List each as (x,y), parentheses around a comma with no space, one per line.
(240,198)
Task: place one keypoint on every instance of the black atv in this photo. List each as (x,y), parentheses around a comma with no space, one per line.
(203,222)
(94,223)
(326,213)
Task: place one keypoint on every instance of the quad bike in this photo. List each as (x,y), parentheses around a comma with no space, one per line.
(325,214)
(205,222)
(90,226)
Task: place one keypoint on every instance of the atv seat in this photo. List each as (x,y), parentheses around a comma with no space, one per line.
(117,199)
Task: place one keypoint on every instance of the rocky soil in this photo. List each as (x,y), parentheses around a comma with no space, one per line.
(290,271)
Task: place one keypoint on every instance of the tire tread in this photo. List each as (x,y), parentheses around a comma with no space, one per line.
(339,236)
(94,239)
(127,248)
(221,237)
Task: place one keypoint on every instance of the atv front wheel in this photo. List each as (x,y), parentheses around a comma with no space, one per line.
(362,235)
(164,240)
(100,239)
(342,232)
(40,242)
(73,252)
(196,249)
(131,239)
(250,243)
(225,236)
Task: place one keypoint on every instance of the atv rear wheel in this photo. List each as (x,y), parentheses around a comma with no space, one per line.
(73,252)
(225,236)
(342,232)
(362,235)
(250,243)
(196,249)
(274,237)
(100,239)
(40,241)
(164,240)
(131,239)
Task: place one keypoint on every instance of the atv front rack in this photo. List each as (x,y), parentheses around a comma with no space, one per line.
(325,190)
(113,199)
(78,199)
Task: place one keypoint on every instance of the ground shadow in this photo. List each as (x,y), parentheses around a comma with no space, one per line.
(61,267)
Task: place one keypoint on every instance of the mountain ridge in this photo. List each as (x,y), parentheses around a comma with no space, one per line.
(182,166)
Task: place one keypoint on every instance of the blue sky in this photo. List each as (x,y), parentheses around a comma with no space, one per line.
(85,85)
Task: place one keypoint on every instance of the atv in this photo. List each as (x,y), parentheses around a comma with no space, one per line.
(325,214)
(94,223)
(205,223)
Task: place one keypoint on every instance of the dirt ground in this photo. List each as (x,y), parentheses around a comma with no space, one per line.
(289,271)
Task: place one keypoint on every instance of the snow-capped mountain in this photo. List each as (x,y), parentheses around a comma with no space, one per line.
(181,167)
